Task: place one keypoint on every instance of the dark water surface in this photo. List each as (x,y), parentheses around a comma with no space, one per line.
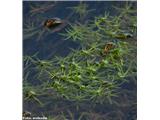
(53,44)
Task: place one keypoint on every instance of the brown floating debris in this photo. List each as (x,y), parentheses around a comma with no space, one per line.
(53,23)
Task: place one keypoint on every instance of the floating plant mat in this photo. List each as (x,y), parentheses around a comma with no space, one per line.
(79,60)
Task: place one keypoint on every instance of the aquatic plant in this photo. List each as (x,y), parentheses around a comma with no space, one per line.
(81,76)
(127,15)
(81,9)
(95,72)
(34,29)
(29,93)
(85,74)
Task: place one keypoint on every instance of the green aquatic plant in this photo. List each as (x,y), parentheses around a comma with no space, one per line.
(84,75)
(65,116)
(79,79)
(30,29)
(75,32)
(31,95)
(28,61)
(42,66)
(92,73)
(34,29)
(127,15)
(127,9)
(92,115)
(81,9)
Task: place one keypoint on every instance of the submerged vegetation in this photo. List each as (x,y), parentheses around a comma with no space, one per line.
(94,74)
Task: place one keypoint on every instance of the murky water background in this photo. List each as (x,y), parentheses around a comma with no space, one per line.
(52,44)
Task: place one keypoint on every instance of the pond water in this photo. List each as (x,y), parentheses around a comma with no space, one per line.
(41,44)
